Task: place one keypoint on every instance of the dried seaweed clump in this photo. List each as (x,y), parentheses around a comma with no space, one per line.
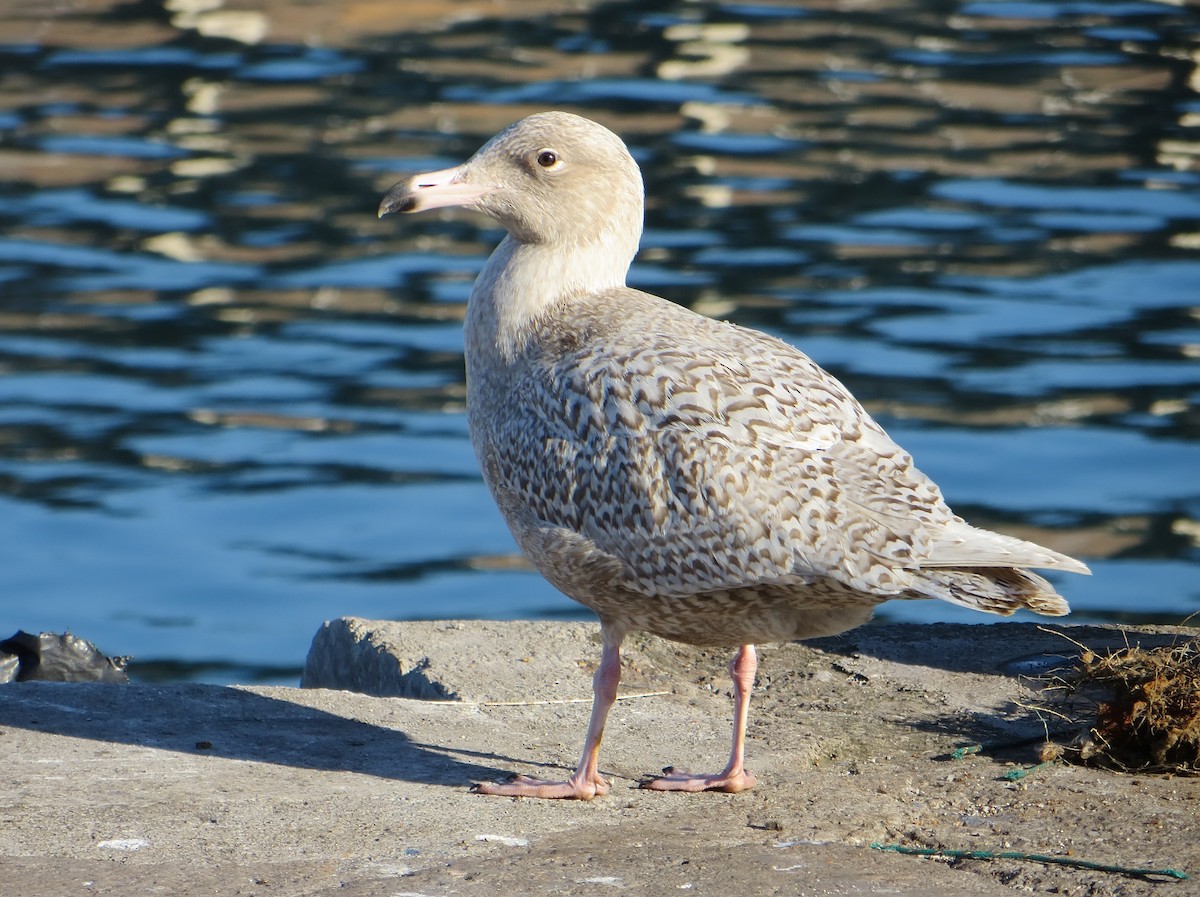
(1146,706)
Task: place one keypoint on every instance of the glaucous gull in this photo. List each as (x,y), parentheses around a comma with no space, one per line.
(676,474)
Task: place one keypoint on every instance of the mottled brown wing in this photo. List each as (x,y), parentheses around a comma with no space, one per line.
(732,461)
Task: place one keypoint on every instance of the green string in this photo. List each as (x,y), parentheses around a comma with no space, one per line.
(1033,857)
(1014,775)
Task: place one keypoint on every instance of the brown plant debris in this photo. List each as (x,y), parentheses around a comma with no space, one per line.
(1140,708)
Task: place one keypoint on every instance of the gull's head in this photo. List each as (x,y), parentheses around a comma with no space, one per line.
(551,178)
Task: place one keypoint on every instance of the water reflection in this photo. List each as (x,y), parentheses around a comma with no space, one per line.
(231,399)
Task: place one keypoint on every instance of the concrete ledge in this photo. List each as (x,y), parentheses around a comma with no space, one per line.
(449,660)
(210,790)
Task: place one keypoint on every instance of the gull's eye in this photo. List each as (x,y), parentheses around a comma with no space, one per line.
(547,158)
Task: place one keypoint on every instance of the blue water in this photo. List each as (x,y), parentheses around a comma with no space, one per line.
(231,400)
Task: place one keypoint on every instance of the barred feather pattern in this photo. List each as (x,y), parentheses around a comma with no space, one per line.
(713,485)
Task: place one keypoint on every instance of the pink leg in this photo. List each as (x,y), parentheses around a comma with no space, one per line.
(587,782)
(733,777)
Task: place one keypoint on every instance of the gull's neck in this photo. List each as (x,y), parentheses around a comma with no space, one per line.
(522,282)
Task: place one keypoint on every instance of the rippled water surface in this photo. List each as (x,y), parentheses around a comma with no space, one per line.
(231,400)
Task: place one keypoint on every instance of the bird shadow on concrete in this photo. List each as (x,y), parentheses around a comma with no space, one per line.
(1002,649)
(231,723)
(993,689)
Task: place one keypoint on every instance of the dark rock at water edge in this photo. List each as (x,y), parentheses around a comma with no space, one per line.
(51,657)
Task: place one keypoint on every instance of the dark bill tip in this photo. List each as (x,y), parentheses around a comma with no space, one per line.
(397,199)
